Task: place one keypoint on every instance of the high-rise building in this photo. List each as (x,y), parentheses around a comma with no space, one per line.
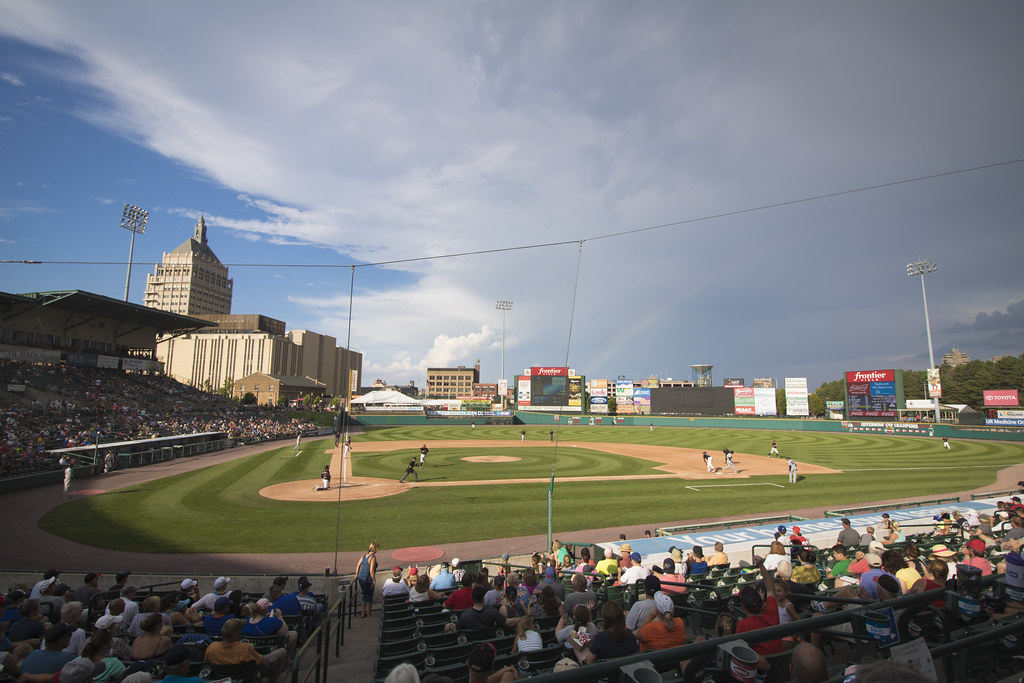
(452,382)
(955,357)
(190,280)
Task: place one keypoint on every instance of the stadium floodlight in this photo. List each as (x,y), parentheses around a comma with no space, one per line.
(504,306)
(134,220)
(922,268)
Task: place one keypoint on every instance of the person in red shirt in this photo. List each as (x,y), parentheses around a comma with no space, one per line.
(975,550)
(463,597)
(761,613)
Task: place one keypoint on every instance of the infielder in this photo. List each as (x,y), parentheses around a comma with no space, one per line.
(792,470)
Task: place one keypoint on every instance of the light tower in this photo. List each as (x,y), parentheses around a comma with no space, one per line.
(133,219)
(504,306)
(923,268)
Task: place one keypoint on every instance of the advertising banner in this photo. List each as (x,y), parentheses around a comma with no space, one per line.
(549,372)
(85,360)
(744,401)
(642,400)
(624,396)
(28,354)
(108,362)
(1010,414)
(934,383)
(1001,397)
(733,382)
(502,387)
(834,405)
(796,396)
(994,422)
(523,397)
(576,391)
(764,402)
(763,383)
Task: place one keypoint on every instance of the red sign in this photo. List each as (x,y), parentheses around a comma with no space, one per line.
(859,389)
(871,376)
(549,372)
(1001,397)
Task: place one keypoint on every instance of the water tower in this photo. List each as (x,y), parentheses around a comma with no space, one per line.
(702,375)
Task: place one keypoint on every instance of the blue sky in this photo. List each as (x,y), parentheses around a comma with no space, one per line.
(326,133)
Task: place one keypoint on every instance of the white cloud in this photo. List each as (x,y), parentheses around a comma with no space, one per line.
(12,79)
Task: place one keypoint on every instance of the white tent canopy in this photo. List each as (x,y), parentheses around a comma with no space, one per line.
(385,398)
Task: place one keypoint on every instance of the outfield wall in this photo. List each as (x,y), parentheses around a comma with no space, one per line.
(757,423)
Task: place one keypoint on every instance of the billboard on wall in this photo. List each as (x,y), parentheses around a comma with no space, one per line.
(624,397)
(575,391)
(1001,397)
(642,400)
(796,396)
(733,382)
(934,383)
(523,391)
(763,383)
(744,397)
(874,393)
(598,395)
(764,401)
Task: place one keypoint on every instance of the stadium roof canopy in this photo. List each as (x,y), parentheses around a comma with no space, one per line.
(85,307)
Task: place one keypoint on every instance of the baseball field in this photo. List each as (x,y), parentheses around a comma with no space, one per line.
(487,483)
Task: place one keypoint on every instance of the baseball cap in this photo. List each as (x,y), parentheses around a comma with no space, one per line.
(781,529)
(635,557)
(177,654)
(549,575)
(504,557)
(455,562)
(796,530)
(873,560)
(625,548)
(80,669)
(413,571)
(885,515)
(222,602)
(45,584)
(265,603)
(669,565)
(92,576)
(108,620)
(281,580)
(941,550)
(481,658)
(304,582)
(889,583)
(663,603)
(876,547)
(221,583)
(189,584)
(976,544)
(58,631)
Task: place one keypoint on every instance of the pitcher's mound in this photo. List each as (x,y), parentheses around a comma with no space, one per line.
(490,458)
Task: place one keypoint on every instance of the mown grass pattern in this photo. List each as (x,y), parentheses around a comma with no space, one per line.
(219,510)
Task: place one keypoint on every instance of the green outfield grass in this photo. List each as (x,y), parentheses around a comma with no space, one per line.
(218,509)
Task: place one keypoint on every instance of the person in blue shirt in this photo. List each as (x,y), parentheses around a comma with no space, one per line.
(444,581)
(177,661)
(212,623)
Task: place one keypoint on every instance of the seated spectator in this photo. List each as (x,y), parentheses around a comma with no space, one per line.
(551,579)
(609,566)
(841,561)
(150,605)
(634,571)
(480,616)
(276,589)
(800,593)
(394,585)
(974,555)
(177,662)
(12,605)
(808,664)
(581,594)
(776,554)
(445,580)
(895,534)
(463,597)
(510,607)
(494,593)
(421,592)
(220,590)
(152,643)
(762,612)
(670,576)
(644,603)
(89,594)
(10,660)
(660,629)
(71,614)
(481,666)
(797,538)
(31,627)
(942,552)
(586,563)
(222,612)
(719,559)
(696,564)
(170,607)
(544,603)
(49,579)
(807,572)
(232,651)
(910,580)
(613,640)
(787,610)
(527,587)
(867,536)
(937,574)
(1013,538)
(80,670)
(263,622)
(52,657)
(578,633)
(527,637)
(97,649)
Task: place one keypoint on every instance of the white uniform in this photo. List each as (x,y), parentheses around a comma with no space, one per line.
(711,463)
(792,471)
(775,449)
(67,482)
(729,463)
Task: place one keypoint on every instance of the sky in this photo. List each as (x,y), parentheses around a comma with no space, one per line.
(628,174)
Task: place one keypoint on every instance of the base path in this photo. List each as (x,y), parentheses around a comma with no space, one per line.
(676,463)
